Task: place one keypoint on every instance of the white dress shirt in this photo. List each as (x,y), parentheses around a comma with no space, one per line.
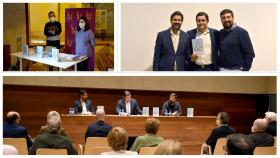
(127,105)
(204,58)
(175,41)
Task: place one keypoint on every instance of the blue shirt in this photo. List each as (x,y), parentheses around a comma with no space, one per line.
(85,42)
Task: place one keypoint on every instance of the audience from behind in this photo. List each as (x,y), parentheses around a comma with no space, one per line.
(9,150)
(150,139)
(271,119)
(117,140)
(169,147)
(99,128)
(223,130)
(259,137)
(43,129)
(83,105)
(12,129)
(52,139)
(239,144)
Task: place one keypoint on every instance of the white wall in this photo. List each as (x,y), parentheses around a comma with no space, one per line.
(140,24)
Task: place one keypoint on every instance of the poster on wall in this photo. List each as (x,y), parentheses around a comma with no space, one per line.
(72,16)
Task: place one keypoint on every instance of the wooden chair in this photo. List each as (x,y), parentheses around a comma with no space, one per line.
(221,142)
(47,151)
(98,150)
(265,150)
(19,143)
(147,150)
(275,141)
(80,149)
(92,142)
(205,149)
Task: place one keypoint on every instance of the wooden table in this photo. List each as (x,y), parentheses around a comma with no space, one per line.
(191,132)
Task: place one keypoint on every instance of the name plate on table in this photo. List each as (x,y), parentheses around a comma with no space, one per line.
(155,111)
(197,45)
(145,111)
(190,112)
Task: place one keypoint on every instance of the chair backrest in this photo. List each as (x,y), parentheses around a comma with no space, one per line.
(221,142)
(205,149)
(97,150)
(92,142)
(275,141)
(19,143)
(47,151)
(147,150)
(271,150)
(80,149)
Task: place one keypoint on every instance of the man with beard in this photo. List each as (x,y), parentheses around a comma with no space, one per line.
(171,47)
(208,59)
(236,50)
(172,106)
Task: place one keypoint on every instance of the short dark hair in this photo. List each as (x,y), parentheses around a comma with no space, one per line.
(202,14)
(51,13)
(11,119)
(240,144)
(225,11)
(173,95)
(126,93)
(177,13)
(86,26)
(82,92)
(224,117)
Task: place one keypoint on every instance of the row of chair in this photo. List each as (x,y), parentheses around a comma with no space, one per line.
(98,145)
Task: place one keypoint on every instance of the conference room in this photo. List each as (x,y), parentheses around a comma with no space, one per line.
(58,36)
(179,110)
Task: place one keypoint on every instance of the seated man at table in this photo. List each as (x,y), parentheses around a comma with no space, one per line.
(150,139)
(172,106)
(12,129)
(128,105)
(52,139)
(99,128)
(83,105)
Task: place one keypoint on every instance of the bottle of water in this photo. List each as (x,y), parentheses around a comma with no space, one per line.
(169,114)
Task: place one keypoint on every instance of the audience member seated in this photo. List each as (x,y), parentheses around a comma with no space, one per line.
(223,130)
(9,150)
(52,139)
(117,140)
(259,137)
(271,118)
(43,129)
(99,128)
(12,129)
(239,144)
(169,147)
(149,139)
(83,105)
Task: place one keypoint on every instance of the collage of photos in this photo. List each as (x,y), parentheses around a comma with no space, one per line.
(125,77)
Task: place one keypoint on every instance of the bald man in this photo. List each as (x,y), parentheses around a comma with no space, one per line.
(259,137)
(271,119)
(12,129)
(99,128)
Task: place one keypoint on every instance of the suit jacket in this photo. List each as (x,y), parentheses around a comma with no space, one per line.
(16,131)
(214,35)
(134,108)
(219,132)
(170,108)
(98,129)
(43,130)
(262,139)
(164,54)
(53,141)
(78,108)
(271,129)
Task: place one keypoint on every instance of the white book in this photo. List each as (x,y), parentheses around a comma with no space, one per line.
(190,112)
(197,45)
(155,111)
(145,111)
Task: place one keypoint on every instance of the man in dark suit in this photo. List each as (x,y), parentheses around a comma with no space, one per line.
(239,144)
(12,129)
(171,47)
(83,105)
(99,128)
(259,137)
(172,106)
(128,105)
(223,130)
(208,59)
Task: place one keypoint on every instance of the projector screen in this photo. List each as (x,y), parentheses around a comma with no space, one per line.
(140,23)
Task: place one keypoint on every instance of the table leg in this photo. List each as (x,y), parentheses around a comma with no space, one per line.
(75,67)
(20,64)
